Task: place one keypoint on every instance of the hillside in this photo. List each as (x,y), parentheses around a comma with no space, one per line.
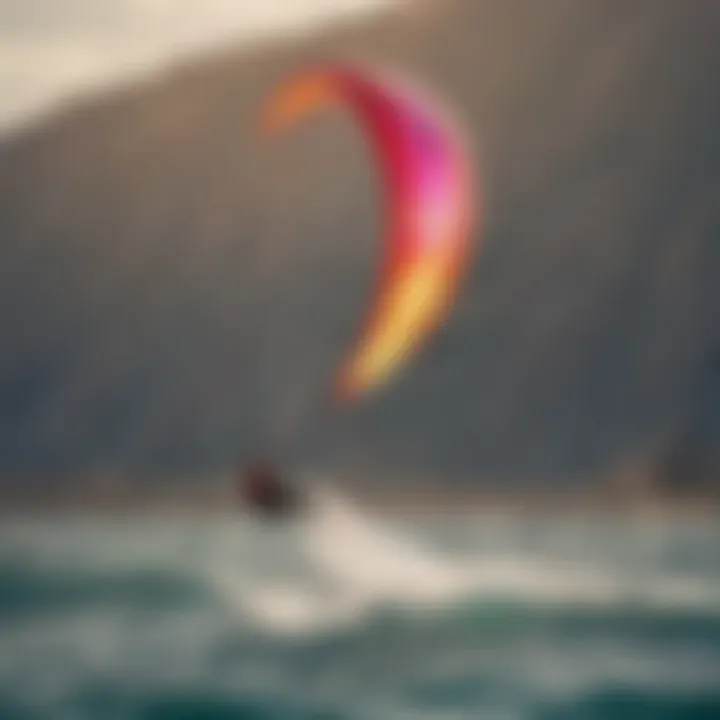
(169,286)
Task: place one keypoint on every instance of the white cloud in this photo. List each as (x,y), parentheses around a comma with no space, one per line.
(52,49)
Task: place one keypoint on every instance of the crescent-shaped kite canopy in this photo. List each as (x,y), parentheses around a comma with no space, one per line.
(430,197)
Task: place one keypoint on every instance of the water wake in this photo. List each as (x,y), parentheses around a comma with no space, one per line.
(358,565)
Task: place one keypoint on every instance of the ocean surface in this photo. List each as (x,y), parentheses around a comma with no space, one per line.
(347,616)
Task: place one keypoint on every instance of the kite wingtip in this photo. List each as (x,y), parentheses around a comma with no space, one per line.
(296,97)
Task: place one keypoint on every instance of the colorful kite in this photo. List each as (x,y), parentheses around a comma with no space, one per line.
(430,204)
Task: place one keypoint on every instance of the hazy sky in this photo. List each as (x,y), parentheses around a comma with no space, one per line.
(51,49)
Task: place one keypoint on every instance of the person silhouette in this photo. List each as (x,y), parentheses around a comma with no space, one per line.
(262,489)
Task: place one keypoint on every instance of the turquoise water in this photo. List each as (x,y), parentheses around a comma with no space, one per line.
(351,617)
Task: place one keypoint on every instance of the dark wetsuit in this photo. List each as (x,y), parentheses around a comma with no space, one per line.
(262,489)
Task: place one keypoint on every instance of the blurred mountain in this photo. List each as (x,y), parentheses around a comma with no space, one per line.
(173,291)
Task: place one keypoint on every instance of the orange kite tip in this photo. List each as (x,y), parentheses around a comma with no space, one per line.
(295,99)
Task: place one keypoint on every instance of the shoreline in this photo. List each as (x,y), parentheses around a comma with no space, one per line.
(415,501)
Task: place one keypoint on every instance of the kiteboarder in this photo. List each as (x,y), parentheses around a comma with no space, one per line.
(429,235)
(263,490)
